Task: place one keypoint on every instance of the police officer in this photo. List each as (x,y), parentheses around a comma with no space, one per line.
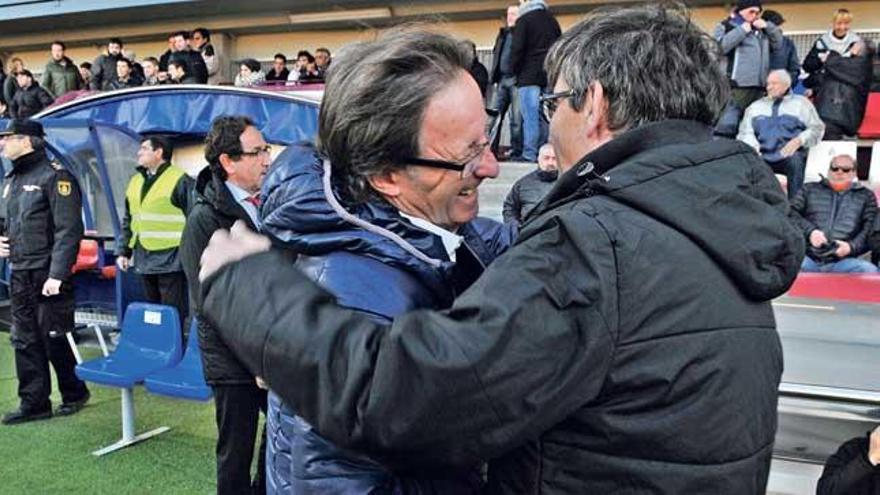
(43,230)
(156,202)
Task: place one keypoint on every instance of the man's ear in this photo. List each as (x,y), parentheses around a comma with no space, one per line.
(388,183)
(227,163)
(597,117)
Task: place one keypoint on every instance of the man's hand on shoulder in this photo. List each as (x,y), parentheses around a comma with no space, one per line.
(227,247)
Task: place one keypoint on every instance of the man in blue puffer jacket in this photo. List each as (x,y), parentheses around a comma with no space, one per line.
(390,231)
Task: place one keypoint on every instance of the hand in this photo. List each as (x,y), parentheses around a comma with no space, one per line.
(227,247)
(857,49)
(747,27)
(808,93)
(52,287)
(759,24)
(823,57)
(843,249)
(4,247)
(162,76)
(874,447)
(260,383)
(123,262)
(818,239)
(791,147)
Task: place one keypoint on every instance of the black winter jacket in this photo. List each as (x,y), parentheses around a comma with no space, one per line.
(495,75)
(533,35)
(848,471)
(843,93)
(103,72)
(626,343)
(525,195)
(843,216)
(195,67)
(43,208)
(215,208)
(29,101)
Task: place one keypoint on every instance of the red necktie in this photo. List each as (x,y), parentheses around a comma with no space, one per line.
(254,200)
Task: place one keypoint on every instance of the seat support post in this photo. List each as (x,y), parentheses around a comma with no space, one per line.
(128,435)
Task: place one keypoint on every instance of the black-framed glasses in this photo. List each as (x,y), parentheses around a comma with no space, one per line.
(835,168)
(549,103)
(262,150)
(469,164)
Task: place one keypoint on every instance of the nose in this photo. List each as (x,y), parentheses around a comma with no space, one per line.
(488,166)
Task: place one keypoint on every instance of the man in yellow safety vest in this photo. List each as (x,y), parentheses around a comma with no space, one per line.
(156,203)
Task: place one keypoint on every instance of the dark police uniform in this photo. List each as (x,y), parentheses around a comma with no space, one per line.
(44,227)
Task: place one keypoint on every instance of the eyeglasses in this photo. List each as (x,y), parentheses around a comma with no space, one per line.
(835,168)
(549,103)
(263,150)
(469,164)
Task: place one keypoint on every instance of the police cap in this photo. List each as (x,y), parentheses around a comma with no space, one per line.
(23,128)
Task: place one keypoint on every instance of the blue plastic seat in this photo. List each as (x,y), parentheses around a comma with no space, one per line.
(150,341)
(187,379)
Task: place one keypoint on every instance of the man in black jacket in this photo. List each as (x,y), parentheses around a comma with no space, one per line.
(228,190)
(535,31)
(837,216)
(625,343)
(104,67)
(530,189)
(43,228)
(192,59)
(505,97)
(30,99)
(854,469)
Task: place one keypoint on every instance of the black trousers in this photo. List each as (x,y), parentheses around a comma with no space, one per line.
(238,412)
(170,289)
(34,316)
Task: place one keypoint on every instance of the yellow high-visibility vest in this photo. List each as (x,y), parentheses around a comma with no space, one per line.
(155,221)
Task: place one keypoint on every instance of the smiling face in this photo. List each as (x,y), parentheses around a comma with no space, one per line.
(453,129)
(841,26)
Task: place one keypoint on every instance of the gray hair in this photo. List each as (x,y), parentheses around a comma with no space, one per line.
(781,74)
(652,61)
(374,102)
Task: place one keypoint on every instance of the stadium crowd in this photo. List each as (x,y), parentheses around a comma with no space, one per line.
(778,107)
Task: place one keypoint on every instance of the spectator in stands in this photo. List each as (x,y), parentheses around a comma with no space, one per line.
(137,70)
(748,42)
(279,70)
(782,127)
(30,99)
(194,64)
(836,215)
(787,57)
(407,237)
(536,30)
(2,81)
(228,189)
(530,189)
(104,67)
(177,73)
(840,68)
(250,73)
(157,200)
(61,74)
(478,70)
(10,85)
(214,62)
(151,72)
(85,72)
(854,469)
(304,68)
(323,59)
(165,58)
(124,76)
(625,344)
(505,99)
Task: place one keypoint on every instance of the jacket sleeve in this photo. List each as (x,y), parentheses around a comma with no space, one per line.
(845,469)
(774,35)
(97,74)
(183,195)
(815,127)
(511,209)
(44,97)
(859,242)
(196,234)
(212,61)
(46,80)
(746,132)
(729,40)
(523,348)
(798,209)
(812,62)
(65,199)
(793,64)
(518,46)
(124,250)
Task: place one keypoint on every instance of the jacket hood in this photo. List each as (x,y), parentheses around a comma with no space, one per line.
(301,211)
(718,193)
(532,6)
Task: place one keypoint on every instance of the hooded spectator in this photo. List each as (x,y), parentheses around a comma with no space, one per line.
(30,99)
(279,70)
(785,58)
(61,74)
(250,73)
(104,67)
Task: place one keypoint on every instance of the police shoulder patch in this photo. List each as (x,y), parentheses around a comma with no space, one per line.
(64,187)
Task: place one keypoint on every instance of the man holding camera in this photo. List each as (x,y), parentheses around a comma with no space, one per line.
(836,215)
(747,40)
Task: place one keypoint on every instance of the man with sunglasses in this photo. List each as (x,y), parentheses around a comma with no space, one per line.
(626,343)
(156,202)
(228,190)
(837,217)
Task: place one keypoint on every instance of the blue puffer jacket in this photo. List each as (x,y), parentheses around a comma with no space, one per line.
(376,262)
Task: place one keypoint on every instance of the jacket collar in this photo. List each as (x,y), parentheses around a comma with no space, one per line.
(212,190)
(25,163)
(162,168)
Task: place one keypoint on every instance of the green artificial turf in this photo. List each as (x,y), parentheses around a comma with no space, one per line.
(54,456)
